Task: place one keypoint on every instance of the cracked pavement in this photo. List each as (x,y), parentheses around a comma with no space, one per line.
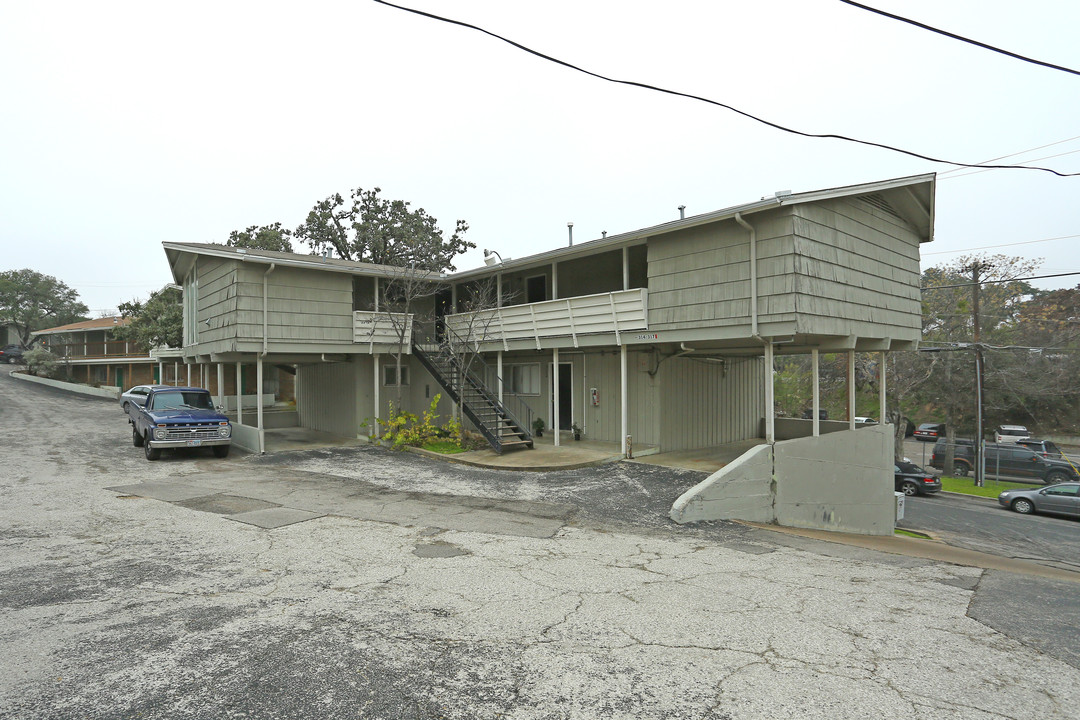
(414,589)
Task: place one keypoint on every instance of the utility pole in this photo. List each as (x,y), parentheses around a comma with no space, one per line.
(975,287)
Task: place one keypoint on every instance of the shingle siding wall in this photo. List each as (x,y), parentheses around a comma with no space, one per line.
(857,267)
(303,305)
(701,276)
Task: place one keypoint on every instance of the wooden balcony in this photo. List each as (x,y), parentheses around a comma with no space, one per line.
(380,328)
(605,313)
(97,350)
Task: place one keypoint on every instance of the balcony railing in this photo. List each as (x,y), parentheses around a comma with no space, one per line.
(380,328)
(97,350)
(614,313)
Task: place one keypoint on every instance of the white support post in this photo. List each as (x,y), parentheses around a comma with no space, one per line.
(239,396)
(770,403)
(881,388)
(815,363)
(161,373)
(851,389)
(499,372)
(220,384)
(375,395)
(555,395)
(188,366)
(259,401)
(623,395)
(176,373)
(554,281)
(626,268)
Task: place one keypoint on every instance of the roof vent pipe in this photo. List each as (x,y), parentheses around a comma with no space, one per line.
(603,233)
(682,212)
(570,227)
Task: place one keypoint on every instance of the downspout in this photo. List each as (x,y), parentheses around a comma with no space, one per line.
(753,277)
(770,421)
(266,325)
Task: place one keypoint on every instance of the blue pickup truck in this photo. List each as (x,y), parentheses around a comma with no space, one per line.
(177,417)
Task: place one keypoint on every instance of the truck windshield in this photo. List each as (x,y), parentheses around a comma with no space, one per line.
(182,401)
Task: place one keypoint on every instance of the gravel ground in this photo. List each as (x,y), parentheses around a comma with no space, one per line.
(417,589)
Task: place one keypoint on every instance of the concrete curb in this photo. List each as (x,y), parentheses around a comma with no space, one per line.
(486,464)
(927,549)
(110,393)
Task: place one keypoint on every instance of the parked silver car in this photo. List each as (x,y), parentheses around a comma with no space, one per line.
(137,395)
(1060,499)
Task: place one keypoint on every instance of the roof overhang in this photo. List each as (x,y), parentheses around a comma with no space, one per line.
(182,256)
(912,197)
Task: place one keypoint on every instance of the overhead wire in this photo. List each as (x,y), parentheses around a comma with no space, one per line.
(1021,152)
(961,38)
(733,109)
(992,247)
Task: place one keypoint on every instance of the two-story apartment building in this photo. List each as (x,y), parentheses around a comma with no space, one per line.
(94,356)
(663,335)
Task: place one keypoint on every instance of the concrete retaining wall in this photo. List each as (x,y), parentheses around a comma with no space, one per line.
(842,481)
(741,490)
(791,428)
(113,393)
(247,438)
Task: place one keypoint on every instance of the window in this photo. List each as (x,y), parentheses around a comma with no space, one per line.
(390,375)
(1063,490)
(523,379)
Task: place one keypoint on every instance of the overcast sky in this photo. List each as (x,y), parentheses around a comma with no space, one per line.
(125,125)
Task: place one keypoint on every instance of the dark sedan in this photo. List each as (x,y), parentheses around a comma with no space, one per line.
(913,480)
(1060,499)
(930,432)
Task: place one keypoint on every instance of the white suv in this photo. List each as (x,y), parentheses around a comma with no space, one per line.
(1010,433)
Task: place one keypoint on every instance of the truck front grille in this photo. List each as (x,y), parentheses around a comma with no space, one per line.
(192,433)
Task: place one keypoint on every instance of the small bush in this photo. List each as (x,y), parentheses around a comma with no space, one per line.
(42,363)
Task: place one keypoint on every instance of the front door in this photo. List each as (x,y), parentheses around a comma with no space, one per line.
(119,377)
(565,397)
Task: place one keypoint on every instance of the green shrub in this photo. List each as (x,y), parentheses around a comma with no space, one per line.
(42,362)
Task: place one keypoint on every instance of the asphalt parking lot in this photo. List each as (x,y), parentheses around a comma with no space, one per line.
(365,583)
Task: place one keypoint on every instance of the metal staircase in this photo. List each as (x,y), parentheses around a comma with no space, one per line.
(499,426)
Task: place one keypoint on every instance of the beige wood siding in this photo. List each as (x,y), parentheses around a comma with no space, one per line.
(326,397)
(706,404)
(857,269)
(216,300)
(686,404)
(701,276)
(303,305)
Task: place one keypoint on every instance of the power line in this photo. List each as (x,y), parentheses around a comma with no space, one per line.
(992,247)
(961,38)
(990,282)
(987,168)
(1021,152)
(699,98)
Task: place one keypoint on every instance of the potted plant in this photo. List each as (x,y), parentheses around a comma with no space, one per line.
(538,427)
(577,430)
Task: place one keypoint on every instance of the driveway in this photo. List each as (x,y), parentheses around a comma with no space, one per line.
(365,583)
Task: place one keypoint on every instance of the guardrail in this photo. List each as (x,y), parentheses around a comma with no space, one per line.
(616,313)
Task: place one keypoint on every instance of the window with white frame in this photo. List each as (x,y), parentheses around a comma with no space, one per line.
(390,375)
(523,379)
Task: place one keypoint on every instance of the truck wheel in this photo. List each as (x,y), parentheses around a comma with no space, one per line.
(221,451)
(1055,477)
(136,438)
(151,453)
(961,469)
